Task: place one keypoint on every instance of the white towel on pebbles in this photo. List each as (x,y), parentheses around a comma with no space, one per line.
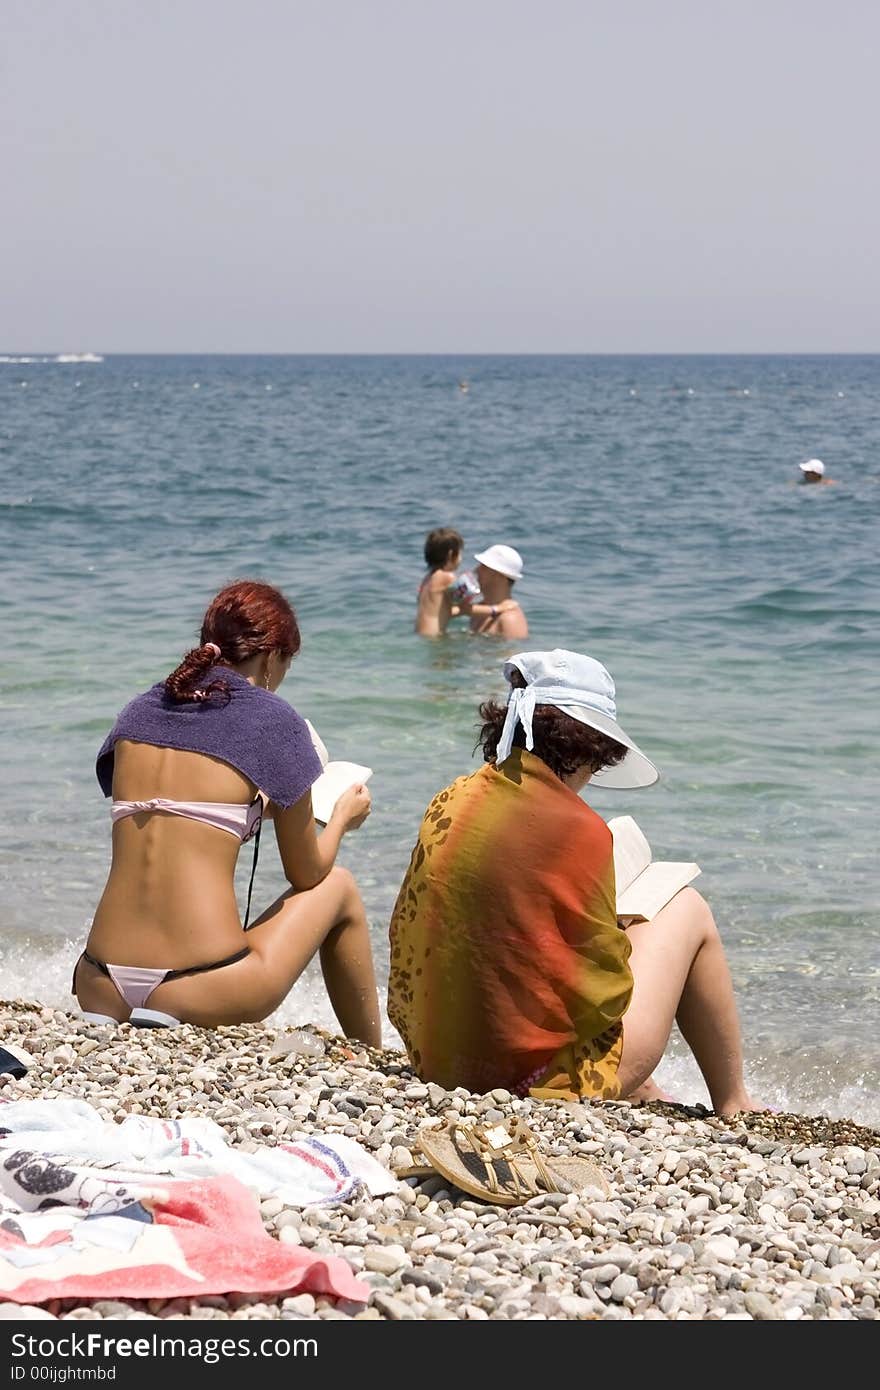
(303,1170)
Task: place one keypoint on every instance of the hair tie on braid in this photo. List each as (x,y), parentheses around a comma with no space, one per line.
(212,647)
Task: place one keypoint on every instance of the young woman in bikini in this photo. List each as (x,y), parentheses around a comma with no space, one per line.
(194,766)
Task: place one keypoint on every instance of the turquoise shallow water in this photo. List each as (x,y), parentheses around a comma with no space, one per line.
(653,500)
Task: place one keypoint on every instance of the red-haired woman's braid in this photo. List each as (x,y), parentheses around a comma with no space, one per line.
(243,620)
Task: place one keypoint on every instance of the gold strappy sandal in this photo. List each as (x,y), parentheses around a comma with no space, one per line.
(502,1163)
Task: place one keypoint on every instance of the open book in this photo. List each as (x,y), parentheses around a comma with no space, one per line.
(333,781)
(644,885)
(336,778)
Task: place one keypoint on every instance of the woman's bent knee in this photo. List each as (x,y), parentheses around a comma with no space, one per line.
(692,901)
(691,908)
(342,878)
(345,884)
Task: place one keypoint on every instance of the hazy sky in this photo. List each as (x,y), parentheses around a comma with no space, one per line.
(439,175)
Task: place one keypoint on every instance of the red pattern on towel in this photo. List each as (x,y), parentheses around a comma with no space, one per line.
(159,1240)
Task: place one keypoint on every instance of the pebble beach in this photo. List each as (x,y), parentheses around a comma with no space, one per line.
(767,1217)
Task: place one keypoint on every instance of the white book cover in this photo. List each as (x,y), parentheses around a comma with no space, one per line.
(336,778)
(644,885)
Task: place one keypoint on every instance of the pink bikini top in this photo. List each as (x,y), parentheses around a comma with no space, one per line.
(243,821)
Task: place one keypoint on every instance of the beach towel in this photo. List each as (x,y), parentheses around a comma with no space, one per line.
(303,1170)
(95,1236)
(508,967)
(85,1210)
(253,730)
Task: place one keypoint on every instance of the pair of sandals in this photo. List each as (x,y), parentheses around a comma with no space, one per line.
(501,1163)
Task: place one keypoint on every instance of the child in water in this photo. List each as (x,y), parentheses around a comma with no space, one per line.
(441,595)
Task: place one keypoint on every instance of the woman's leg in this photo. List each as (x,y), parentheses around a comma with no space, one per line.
(329,919)
(95,993)
(680,974)
(649,1090)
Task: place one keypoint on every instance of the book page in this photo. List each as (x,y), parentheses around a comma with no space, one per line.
(334,780)
(318,743)
(653,889)
(632,853)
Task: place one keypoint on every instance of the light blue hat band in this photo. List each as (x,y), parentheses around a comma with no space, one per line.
(521,709)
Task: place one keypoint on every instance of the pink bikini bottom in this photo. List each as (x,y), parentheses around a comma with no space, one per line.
(137,982)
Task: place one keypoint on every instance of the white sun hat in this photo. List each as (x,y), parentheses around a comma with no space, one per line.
(812,466)
(583,689)
(502,558)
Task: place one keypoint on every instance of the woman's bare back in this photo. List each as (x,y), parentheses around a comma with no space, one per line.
(170,900)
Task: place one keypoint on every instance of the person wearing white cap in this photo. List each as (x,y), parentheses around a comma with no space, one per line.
(509,967)
(498,569)
(813,471)
(441,594)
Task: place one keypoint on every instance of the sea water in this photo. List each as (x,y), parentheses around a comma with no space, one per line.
(657,507)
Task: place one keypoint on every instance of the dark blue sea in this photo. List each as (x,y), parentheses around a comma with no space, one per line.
(656,504)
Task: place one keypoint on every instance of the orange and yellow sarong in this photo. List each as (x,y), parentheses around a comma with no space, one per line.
(508,967)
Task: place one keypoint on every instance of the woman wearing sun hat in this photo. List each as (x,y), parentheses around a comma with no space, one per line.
(508,966)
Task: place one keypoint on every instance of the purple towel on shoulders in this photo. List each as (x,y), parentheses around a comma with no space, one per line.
(254,731)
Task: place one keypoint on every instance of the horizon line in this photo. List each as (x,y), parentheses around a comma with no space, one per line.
(194,352)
